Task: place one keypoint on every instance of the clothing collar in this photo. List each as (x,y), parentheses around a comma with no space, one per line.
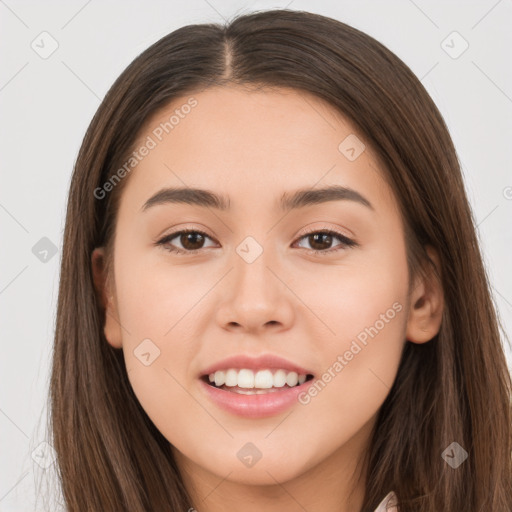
(388,504)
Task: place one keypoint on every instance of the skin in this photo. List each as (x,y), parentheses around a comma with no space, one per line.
(253,146)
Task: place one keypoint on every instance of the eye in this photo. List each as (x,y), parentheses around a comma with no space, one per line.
(318,240)
(190,239)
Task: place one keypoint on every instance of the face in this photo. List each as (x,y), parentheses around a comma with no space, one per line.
(247,282)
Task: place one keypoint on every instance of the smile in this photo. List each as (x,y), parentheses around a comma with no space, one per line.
(252,402)
(249,382)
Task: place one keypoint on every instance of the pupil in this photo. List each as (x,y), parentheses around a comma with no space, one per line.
(315,240)
(189,237)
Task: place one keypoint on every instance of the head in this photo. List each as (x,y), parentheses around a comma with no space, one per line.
(391,317)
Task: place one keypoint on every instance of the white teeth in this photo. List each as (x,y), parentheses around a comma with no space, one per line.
(246,379)
(262,379)
(279,378)
(219,378)
(231,378)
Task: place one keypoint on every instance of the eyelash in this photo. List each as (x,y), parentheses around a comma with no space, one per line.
(345,242)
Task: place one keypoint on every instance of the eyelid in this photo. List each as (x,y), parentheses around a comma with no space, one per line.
(326,227)
(196,227)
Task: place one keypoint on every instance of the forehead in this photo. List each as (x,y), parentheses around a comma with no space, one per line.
(252,144)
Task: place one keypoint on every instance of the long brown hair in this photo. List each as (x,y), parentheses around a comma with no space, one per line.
(455,388)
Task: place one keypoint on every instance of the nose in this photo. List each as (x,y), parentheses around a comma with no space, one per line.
(254,297)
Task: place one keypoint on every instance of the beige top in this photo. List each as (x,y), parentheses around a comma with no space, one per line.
(388,504)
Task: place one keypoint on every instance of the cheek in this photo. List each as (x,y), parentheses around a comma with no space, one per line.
(156,296)
(158,306)
(363,305)
(363,292)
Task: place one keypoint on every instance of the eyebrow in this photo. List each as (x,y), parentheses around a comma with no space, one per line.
(288,201)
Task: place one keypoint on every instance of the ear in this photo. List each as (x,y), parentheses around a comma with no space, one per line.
(427,303)
(105,294)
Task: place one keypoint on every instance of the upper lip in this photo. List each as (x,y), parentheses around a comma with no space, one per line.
(261,362)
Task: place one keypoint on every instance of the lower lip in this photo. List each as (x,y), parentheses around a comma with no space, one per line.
(255,406)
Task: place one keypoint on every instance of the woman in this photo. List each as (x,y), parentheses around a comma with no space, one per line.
(272,295)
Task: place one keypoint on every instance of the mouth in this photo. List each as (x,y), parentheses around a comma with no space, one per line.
(248,382)
(255,388)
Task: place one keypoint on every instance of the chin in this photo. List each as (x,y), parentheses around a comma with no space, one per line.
(277,467)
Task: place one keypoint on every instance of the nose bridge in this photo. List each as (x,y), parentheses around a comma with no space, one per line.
(255,297)
(252,277)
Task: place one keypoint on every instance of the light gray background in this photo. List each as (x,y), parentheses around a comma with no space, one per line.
(47,104)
